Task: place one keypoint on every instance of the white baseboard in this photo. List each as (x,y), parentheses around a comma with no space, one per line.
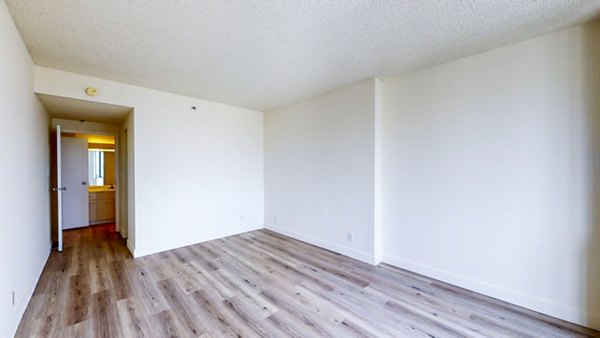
(361,256)
(219,233)
(18,315)
(536,304)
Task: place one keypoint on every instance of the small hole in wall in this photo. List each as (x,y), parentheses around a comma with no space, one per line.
(193,107)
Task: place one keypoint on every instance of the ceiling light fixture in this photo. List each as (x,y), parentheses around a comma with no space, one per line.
(91,91)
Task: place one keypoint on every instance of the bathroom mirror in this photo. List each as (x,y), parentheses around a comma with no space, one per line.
(95,168)
(101,167)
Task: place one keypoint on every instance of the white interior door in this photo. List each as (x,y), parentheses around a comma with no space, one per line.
(75,204)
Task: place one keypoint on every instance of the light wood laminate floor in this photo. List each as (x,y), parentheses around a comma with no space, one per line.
(257,284)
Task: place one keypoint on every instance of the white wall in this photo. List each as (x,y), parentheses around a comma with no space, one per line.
(197,174)
(123,172)
(319,170)
(24,156)
(490,173)
(130,126)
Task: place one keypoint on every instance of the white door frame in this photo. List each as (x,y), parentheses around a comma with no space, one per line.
(59,187)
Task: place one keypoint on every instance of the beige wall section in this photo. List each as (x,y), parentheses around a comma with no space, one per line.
(95,140)
(73,125)
(99,139)
(109,168)
(491,173)
(100,146)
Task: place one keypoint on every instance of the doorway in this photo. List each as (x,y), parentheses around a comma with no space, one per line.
(104,180)
(89,173)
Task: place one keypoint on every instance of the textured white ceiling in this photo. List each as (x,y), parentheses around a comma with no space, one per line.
(262,54)
(74,109)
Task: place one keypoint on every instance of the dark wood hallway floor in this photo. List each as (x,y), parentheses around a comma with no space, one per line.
(256,284)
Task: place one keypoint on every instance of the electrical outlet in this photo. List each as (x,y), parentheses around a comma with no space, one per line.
(349,237)
(274,218)
(241,218)
(13,298)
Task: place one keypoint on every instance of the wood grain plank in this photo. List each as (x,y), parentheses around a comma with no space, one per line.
(78,304)
(132,318)
(105,316)
(180,306)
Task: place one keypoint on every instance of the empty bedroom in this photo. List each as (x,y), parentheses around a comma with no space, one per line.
(300,168)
